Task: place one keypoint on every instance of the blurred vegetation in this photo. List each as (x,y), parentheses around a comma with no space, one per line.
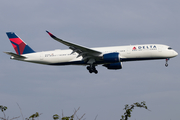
(127,114)
(33,116)
(3,109)
(128,109)
(56,116)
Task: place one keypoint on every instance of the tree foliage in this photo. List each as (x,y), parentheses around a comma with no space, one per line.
(127,114)
(128,109)
(33,116)
(56,116)
(3,109)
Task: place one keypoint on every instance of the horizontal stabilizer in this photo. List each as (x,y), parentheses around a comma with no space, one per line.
(15,55)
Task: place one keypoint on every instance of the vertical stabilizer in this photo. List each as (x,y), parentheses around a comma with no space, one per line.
(18,44)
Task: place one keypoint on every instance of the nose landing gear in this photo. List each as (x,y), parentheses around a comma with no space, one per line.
(166,62)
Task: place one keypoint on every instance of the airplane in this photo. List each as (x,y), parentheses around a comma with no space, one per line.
(109,57)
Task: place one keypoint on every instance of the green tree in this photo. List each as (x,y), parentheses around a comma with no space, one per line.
(3,109)
(56,116)
(129,108)
(33,116)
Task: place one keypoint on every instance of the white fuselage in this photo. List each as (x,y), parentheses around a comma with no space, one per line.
(127,53)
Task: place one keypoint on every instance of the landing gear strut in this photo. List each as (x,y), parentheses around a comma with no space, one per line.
(92,69)
(166,62)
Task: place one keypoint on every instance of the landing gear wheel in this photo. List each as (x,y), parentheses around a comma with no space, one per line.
(92,69)
(166,64)
(88,68)
(95,71)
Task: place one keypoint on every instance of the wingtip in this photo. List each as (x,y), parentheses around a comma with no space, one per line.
(48,32)
(51,34)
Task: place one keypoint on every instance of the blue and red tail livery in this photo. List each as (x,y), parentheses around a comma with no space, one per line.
(18,44)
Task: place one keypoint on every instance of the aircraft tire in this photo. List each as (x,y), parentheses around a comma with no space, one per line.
(88,68)
(90,71)
(95,71)
(166,64)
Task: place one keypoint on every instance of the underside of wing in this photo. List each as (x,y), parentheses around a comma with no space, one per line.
(85,52)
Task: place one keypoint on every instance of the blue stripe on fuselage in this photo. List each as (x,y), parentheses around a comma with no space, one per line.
(102,62)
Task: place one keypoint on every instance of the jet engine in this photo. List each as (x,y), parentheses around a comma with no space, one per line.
(113,66)
(111,57)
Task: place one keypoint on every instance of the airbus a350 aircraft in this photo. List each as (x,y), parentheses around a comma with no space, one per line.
(109,57)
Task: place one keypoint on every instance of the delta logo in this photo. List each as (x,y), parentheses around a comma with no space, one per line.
(144,47)
(134,48)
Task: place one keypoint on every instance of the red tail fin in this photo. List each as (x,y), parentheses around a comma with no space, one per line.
(18,44)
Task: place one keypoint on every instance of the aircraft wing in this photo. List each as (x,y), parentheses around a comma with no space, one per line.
(81,50)
(15,55)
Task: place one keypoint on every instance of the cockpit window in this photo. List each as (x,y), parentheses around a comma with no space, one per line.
(169,48)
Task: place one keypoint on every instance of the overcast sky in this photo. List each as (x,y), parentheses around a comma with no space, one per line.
(51,89)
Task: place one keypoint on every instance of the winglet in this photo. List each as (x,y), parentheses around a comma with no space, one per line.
(51,34)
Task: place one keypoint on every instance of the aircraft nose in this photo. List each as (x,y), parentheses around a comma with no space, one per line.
(175,53)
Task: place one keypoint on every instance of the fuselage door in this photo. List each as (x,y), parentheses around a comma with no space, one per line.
(128,50)
(41,56)
(159,48)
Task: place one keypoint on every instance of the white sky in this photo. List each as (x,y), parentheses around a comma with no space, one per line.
(51,89)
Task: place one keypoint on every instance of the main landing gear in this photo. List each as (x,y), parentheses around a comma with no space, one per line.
(92,69)
(166,62)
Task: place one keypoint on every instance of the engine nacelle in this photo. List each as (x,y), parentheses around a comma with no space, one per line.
(111,57)
(114,66)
